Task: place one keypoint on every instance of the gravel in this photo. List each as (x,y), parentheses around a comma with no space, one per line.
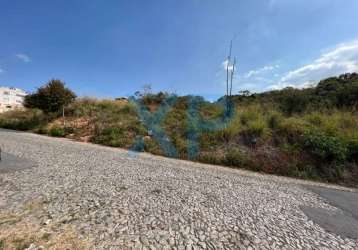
(122,200)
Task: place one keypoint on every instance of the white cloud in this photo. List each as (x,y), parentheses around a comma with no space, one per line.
(262,70)
(341,59)
(303,85)
(23,57)
(256,80)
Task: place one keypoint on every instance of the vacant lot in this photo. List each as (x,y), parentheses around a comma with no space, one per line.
(89,196)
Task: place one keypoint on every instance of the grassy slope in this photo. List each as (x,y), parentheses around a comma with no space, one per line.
(317,139)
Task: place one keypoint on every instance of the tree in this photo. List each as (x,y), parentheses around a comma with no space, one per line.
(51,97)
(293,100)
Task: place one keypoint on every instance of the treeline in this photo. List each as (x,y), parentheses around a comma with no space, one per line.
(336,92)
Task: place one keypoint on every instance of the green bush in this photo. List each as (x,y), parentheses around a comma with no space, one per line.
(274,119)
(256,129)
(293,101)
(316,119)
(327,148)
(113,136)
(235,157)
(216,138)
(292,129)
(249,114)
(57,132)
(335,123)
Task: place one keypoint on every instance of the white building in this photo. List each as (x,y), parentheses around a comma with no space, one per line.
(11,98)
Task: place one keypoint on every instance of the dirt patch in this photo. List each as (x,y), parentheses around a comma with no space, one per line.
(22,229)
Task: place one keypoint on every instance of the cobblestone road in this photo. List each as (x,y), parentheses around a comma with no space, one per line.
(124,201)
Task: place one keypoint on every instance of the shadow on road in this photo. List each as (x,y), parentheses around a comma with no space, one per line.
(344,222)
(10,163)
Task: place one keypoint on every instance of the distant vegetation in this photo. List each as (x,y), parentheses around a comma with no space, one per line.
(309,133)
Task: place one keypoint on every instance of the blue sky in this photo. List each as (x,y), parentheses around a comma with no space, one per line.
(112,48)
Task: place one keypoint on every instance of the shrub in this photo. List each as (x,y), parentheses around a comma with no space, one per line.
(274,119)
(228,133)
(255,130)
(57,132)
(152,146)
(335,123)
(287,148)
(128,109)
(210,158)
(214,138)
(235,157)
(292,129)
(211,110)
(293,101)
(83,107)
(175,122)
(181,146)
(249,114)
(304,171)
(315,118)
(328,148)
(113,136)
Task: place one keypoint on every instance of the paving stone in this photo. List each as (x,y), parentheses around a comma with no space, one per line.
(107,195)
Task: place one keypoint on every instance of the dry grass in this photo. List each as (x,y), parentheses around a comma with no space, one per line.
(68,239)
(21,229)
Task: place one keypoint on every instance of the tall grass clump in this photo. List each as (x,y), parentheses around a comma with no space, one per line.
(252,126)
(27,119)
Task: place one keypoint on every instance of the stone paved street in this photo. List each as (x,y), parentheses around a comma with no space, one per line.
(119,200)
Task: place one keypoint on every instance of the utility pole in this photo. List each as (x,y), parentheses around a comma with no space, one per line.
(232,76)
(228,69)
(63,116)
